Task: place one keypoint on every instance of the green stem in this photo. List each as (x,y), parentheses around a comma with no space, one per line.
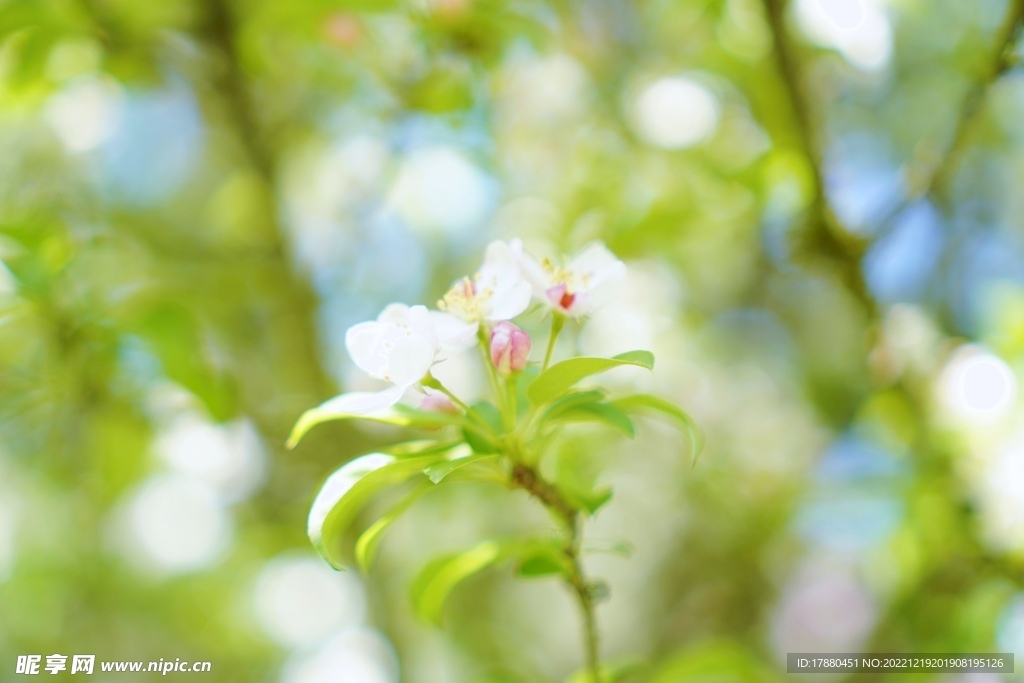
(492,376)
(557,321)
(529,479)
(586,601)
(513,407)
(433,383)
(455,399)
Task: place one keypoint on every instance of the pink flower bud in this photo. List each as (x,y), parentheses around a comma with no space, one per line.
(436,401)
(510,347)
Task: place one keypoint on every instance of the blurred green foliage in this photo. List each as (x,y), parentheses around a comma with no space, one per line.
(196,198)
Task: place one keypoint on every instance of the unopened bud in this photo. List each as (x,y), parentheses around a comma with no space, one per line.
(510,348)
(437,402)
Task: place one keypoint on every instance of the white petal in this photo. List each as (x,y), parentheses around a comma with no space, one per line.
(595,262)
(596,270)
(453,331)
(501,284)
(531,270)
(338,484)
(608,285)
(499,263)
(362,341)
(411,319)
(510,302)
(362,402)
(421,323)
(410,359)
(397,314)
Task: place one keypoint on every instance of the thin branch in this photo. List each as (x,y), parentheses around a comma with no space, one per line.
(530,480)
(297,298)
(235,92)
(934,181)
(824,235)
(232,86)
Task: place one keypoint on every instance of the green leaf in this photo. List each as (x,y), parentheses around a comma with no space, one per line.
(573,400)
(543,558)
(476,436)
(420,447)
(576,472)
(591,501)
(369,541)
(401,416)
(541,565)
(607,413)
(621,548)
(588,406)
(347,490)
(479,443)
(439,470)
(490,414)
(639,403)
(523,380)
(560,377)
(437,579)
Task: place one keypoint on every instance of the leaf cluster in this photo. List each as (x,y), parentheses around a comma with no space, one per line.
(483,442)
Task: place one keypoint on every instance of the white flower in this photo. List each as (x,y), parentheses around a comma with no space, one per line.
(590,279)
(497,291)
(398,347)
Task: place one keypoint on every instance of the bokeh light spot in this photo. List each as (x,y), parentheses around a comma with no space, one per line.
(300,601)
(440,191)
(354,656)
(978,385)
(230,458)
(86,113)
(179,523)
(676,112)
(858,29)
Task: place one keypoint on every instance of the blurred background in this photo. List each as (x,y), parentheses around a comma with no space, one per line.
(820,205)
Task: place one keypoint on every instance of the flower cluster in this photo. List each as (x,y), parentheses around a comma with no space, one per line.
(504,439)
(404,342)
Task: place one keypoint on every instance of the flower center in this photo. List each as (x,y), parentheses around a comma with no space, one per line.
(465,299)
(559,275)
(566,300)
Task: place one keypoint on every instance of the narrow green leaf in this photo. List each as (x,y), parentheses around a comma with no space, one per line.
(607,413)
(541,565)
(439,470)
(620,548)
(347,490)
(480,438)
(576,473)
(543,558)
(591,501)
(648,403)
(570,401)
(437,579)
(490,414)
(480,443)
(560,377)
(401,416)
(369,541)
(420,447)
